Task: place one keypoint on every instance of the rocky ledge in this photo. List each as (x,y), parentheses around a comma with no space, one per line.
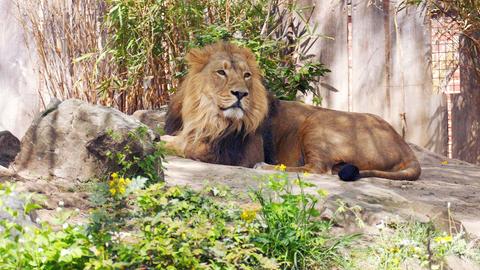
(448,192)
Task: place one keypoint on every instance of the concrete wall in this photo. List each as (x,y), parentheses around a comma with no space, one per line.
(19,98)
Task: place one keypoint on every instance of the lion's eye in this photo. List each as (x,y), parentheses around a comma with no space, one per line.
(221,72)
(247,75)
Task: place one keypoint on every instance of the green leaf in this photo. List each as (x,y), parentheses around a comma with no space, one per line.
(30,207)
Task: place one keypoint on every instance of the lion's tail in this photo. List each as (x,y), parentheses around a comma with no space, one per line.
(411,171)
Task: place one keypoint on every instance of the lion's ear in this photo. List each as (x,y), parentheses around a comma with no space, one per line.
(197,59)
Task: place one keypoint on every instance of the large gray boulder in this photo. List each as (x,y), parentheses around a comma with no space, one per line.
(9,148)
(71,140)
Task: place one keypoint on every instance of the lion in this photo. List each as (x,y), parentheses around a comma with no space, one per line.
(220,108)
(223,114)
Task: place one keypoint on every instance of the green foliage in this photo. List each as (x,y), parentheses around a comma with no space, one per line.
(33,248)
(161,227)
(24,246)
(291,229)
(175,228)
(417,242)
(148,40)
(112,207)
(181,229)
(129,164)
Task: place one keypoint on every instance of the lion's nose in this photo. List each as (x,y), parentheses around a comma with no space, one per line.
(240,94)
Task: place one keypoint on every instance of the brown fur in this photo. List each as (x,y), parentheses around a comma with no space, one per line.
(316,140)
(196,113)
(303,137)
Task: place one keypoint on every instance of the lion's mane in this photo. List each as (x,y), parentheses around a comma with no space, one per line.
(197,122)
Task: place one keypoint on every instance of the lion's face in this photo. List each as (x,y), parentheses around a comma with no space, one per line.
(223,90)
(229,83)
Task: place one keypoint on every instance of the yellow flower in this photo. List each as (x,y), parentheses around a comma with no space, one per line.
(444,162)
(248,215)
(322,192)
(443,239)
(121,181)
(394,250)
(281,167)
(305,174)
(118,185)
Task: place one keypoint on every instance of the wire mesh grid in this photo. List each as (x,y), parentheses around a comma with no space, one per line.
(445,55)
(446,64)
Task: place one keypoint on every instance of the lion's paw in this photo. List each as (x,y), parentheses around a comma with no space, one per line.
(263,166)
(167,138)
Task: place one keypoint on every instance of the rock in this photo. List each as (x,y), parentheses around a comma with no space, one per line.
(9,148)
(456,263)
(381,200)
(412,264)
(70,141)
(104,144)
(5,172)
(427,157)
(154,119)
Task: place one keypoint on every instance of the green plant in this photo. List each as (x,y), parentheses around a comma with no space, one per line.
(287,69)
(176,228)
(148,40)
(128,54)
(182,229)
(127,163)
(291,229)
(112,207)
(127,171)
(25,246)
(418,242)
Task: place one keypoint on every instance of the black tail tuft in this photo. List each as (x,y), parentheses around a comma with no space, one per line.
(349,172)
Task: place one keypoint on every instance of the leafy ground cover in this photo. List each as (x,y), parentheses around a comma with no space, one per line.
(134,226)
(413,245)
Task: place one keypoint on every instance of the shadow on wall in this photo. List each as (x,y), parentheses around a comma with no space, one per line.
(439,137)
(466,106)
(18,79)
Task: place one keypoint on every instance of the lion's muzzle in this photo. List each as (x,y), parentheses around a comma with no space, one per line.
(239,93)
